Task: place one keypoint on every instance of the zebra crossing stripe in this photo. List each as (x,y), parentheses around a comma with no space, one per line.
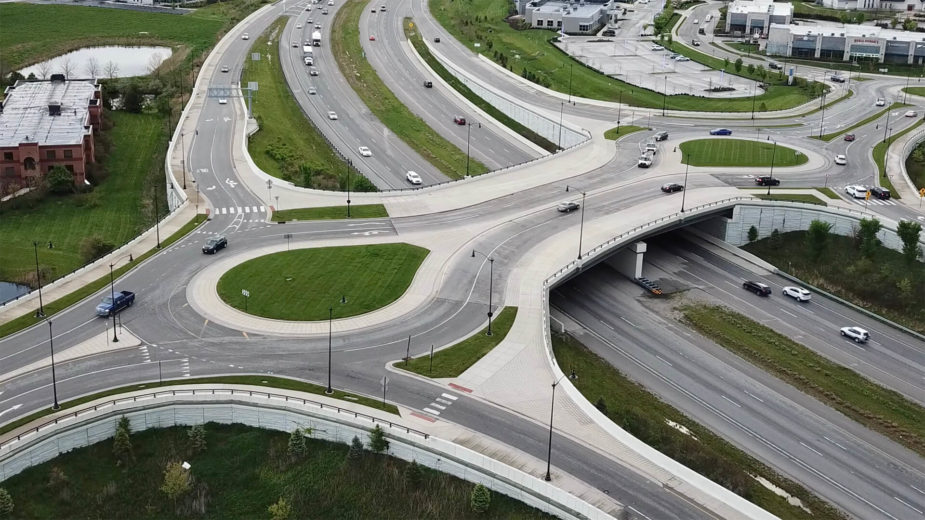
(449,396)
(247,209)
(432,412)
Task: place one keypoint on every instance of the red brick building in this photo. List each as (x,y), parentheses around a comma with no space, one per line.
(44,124)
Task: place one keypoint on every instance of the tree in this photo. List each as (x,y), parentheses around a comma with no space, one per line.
(280,510)
(377,441)
(44,69)
(752,234)
(93,67)
(59,180)
(909,24)
(480,499)
(908,232)
(356,449)
(894,22)
(94,247)
(738,65)
(132,98)
(6,503)
(176,481)
(867,236)
(750,68)
(817,237)
(112,70)
(725,63)
(122,443)
(414,475)
(197,437)
(67,67)
(298,447)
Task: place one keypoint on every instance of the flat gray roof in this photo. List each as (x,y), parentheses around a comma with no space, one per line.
(25,112)
(575,9)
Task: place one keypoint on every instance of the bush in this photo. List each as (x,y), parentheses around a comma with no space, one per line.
(752,234)
(122,443)
(480,499)
(197,438)
(414,476)
(377,441)
(298,447)
(356,449)
(280,510)
(94,247)
(59,181)
(6,503)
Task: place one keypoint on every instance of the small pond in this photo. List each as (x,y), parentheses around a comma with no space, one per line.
(112,61)
(10,290)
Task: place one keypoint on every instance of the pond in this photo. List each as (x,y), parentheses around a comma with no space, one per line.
(9,291)
(102,62)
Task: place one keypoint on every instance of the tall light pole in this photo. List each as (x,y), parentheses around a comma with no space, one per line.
(112,308)
(904,89)
(561,110)
(581,229)
(619,108)
(157,220)
(687,167)
(38,278)
(269,187)
(754,91)
(570,82)
(822,121)
(552,409)
(349,165)
(468,132)
(330,390)
(183,159)
(885,125)
(491,276)
(771,176)
(54,383)
(664,97)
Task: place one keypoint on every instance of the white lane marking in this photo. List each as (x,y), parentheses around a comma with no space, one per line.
(432,412)
(12,409)
(903,502)
(790,313)
(435,405)
(811,449)
(255,209)
(262,209)
(753,396)
(917,489)
(628,321)
(664,360)
(449,396)
(731,401)
(637,512)
(247,209)
(443,401)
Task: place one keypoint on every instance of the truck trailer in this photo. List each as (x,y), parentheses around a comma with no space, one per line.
(316,38)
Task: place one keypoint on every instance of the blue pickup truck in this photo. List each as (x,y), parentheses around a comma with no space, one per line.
(110,305)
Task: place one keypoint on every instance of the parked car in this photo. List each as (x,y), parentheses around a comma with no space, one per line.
(332,115)
(661,136)
(428,83)
(858,334)
(880,193)
(656,48)
(113,305)
(568,206)
(797,293)
(721,131)
(413,178)
(911,113)
(841,159)
(672,187)
(214,244)
(365,151)
(459,120)
(856,190)
(767,180)
(849,137)
(880,102)
(756,287)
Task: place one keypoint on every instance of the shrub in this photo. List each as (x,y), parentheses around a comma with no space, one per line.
(752,234)
(356,449)
(176,481)
(480,499)
(280,510)
(197,438)
(414,475)
(122,443)
(298,447)
(59,181)
(377,441)
(94,247)
(6,503)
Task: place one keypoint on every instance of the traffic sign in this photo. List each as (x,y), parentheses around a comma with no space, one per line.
(245,293)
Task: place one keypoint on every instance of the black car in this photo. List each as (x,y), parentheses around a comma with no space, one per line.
(214,244)
(671,188)
(661,136)
(756,287)
(437,39)
(880,193)
(428,84)
(766,180)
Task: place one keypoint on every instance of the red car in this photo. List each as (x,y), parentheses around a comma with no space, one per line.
(372,38)
(459,120)
(849,137)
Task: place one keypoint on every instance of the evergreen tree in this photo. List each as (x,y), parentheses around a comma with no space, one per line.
(414,475)
(377,441)
(298,447)
(197,438)
(356,449)
(6,503)
(480,499)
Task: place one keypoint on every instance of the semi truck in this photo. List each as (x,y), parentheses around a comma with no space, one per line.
(307,49)
(316,38)
(112,305)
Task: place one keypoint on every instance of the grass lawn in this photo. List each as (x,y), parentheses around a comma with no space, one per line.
(841,263)
(454,360)
(645,416)
(29,319)
(288,145)
(418,42)
(345,44)
(838,386)
(915,91)
(792,197)
(270,382)
(613,134)
(738,152)
(879,154)
(117,210)
(828,192)
(303,283)
(529,52)
(748,49)
(331,213)
(833,135)
(239,474)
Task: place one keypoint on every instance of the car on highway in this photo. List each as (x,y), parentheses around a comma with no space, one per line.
(644,161)
(856,190)
(373,10)
(841,159)
(313,71)
(858,334)
(567,206)
(797,293)
(880,193)
(682,58)
(756,287)
(880,102)
(224,68)
(661,136)
(309,61)
(332,115)
(295,45)
(767,180)
(413,177)
(911,113)
(459,120)
(312,91)
(721,131)
(372,38)
(437,39)
(652,148)
(222,101)
(298,26)
(428,83)
(215,244)
(849,137)
(245,37)
(324,11)
(382,8)
(309,22)
(656,48)
(365,151)
(330,2)
(672,187)
(317,26)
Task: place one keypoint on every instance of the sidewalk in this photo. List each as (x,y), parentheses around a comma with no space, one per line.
(98,344)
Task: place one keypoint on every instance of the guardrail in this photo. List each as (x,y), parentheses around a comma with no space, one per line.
(250,393)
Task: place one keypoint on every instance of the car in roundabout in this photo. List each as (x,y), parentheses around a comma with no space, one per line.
(672,187)
(413,178)
(721,131)
(856,190)
(880,102)
(567,206)
(365,151)
(215,244)
(849,137)
(911,113)
(841,160)
(857,334)
(797,293)
(880,193)
(767,180)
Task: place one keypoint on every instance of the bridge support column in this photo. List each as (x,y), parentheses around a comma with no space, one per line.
(628,261)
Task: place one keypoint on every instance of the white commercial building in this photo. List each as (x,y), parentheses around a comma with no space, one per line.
(756,16)
(846,43)
(873,5)
(569,18)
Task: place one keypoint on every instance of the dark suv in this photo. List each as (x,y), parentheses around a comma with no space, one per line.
(661,136)
(428,83)
(756,287)
(214,244)
(880,193)
(766,180)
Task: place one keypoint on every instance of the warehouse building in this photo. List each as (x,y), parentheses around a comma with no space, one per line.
(756,16)
(569,18)
(846,43)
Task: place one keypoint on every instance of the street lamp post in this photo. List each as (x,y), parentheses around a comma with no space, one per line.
(349,165)
(468,132)
(822,120)
(112,309)
(54,383)
(687,167)
(157,220)
(561,109)
(330,390)
(491,276)
(38,278)
(771,175)
(183,159)
(665,96)
(754,91)
(619,109)
(581,228)
(552,409)
(904,89)
(885,125)
(570,82)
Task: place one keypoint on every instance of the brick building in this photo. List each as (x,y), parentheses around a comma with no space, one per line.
(45,124)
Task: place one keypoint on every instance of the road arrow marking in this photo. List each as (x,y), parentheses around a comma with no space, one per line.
(231,183)
(210,188)
(17,407)
(226,119)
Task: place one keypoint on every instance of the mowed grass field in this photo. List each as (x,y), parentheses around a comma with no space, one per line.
(303,284)
(33,32)
(738,152)
(116,210)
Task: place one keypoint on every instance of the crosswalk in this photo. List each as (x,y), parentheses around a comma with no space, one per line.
(439,404)
(234,210)
(874,202)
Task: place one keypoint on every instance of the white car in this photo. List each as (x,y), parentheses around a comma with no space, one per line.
(245,37)
(295,45)
(298,26)
(330,2)
(880,102)
(841,159)
(912,113)
(313,71)
(644,161)
(309,61)
(797,293)
(222,101)
(858,334)
(312,91)
(225,68)
(857,191)
(365,151)
(413,178)
(656,48)
(682,58)
(332,115)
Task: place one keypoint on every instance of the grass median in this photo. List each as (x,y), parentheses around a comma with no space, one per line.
(303,284)
(617,132)
(859,124)
(331,213)
(418,42)
(792,197)
(879,155)
(843,389)
(669,431)
(739,152)
(915,91)
(351,59)
(453,361)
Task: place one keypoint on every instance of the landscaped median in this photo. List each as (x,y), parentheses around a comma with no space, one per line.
(879,154)
(619,131)
(345,44)
(739,153)
(310,284)
(878,115)
(331,213)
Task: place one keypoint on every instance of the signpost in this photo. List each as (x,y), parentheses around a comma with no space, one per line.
(246,294)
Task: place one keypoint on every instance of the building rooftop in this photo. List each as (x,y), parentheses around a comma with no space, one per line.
(569,9)
(761,6)
(26,115)
(851,31)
